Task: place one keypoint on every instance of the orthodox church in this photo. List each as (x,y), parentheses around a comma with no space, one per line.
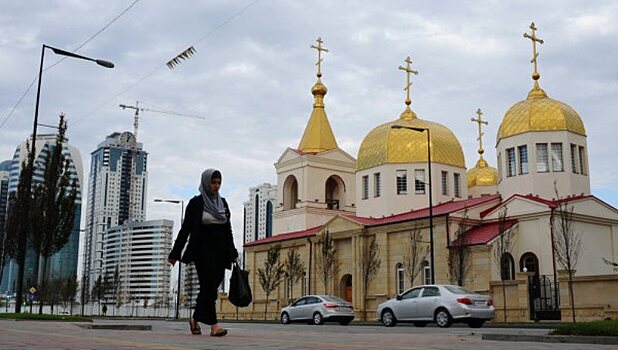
(409,191)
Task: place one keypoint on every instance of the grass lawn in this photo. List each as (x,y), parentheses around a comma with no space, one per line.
(44,317)
(595,328)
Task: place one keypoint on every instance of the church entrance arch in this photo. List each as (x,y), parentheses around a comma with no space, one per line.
(290,193)
(335,192)
(345,287)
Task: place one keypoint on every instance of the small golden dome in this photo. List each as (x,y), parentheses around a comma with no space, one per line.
(384,145)
(540,113)
(319,88)
(482,175)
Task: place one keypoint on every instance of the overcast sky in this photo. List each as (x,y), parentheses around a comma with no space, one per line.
(251,76)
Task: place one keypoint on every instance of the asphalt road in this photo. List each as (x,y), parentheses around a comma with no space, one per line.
(258,336)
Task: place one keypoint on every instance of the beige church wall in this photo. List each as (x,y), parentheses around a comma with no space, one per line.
(594,208)
(517,302)
(598,242)
(300,219)
(542,184)
(391,203)
(594,296)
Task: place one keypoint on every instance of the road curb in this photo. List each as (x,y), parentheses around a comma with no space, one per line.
(116,327)
(574,339)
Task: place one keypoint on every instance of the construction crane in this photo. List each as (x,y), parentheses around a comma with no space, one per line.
(140,109)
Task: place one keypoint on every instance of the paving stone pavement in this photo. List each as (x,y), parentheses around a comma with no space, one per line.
(259,336)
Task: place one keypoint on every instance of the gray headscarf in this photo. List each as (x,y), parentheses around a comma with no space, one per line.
(213,204)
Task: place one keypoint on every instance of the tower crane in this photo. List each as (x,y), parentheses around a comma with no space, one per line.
(139,109)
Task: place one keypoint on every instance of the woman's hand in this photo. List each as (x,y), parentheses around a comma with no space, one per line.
(171,261)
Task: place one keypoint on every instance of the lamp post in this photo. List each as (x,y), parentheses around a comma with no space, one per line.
(433,276)
(29,179)
(182,210)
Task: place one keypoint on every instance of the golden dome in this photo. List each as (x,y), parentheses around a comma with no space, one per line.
(384,145)
(482,174)
(318,135)
(540,113)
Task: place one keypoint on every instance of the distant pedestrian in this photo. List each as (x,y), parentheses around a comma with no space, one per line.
(104,310)
(211,248)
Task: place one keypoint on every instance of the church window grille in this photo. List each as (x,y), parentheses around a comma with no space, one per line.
(523,159)
(365,187)
(445,183)
(510,162)
(582,160)
(542,161)
(419,181)
(556,157)
(402,181)
(574,158)
(426,272)
(456,185)
(400,278)
(376,185)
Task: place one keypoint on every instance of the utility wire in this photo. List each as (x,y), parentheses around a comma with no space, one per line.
(204,37)
(63,58)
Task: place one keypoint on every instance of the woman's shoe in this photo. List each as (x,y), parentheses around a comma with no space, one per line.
(220,333)
(195,327)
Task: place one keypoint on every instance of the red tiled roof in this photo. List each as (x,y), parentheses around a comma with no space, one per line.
(440,209)
(285,236)
(484,233)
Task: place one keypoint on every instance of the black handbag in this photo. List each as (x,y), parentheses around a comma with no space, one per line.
(240,292)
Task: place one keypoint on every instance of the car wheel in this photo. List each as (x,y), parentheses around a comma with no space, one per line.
(285,318)
(443,318)
(476,323)
(420,324)
(388,318)
(345,323)
(317,319)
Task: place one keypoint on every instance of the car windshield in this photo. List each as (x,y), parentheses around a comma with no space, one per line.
(333,299)
(458,290)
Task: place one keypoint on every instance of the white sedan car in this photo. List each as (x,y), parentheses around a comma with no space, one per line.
(442,304)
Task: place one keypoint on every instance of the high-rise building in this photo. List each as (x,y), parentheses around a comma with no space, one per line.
(258,212)
(116,195)
(5,167)
(64,262)
(138,250)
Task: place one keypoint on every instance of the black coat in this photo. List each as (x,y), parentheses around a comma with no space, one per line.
(210,243)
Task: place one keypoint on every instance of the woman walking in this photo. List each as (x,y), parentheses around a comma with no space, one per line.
(211,248)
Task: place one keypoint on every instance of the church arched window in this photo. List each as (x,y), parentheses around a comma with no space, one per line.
(335,191)
(507,267)
(400,278)
(290,193)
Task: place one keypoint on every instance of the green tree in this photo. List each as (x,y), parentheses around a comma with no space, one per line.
(294,269)
(18,226)
(271,275)
(54,207)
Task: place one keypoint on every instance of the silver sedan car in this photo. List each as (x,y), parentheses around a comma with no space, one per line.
(317,309)
(442,304)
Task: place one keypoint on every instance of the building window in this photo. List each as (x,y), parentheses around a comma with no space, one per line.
(556,157)
(445,183)
(500,165)
(426,272)
(510,162)
(419,181)
(269,219)
(542,161)
(402,181)
(365,187)
(303,284)
(256,215)
(582,160)
(376,185)
(456,185)
(400,278)
(507,267)
(574,158)
(522,152)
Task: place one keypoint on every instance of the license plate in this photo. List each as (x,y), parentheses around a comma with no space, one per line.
(480,302)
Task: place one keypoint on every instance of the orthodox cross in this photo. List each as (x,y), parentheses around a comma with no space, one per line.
(534,40)
(480,121)
(320,49)
(408,70)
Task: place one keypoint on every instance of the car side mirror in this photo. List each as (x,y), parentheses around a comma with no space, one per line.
(398,297)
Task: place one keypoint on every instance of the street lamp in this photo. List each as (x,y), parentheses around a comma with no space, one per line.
(29,179)
(433,276)
(182,210)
